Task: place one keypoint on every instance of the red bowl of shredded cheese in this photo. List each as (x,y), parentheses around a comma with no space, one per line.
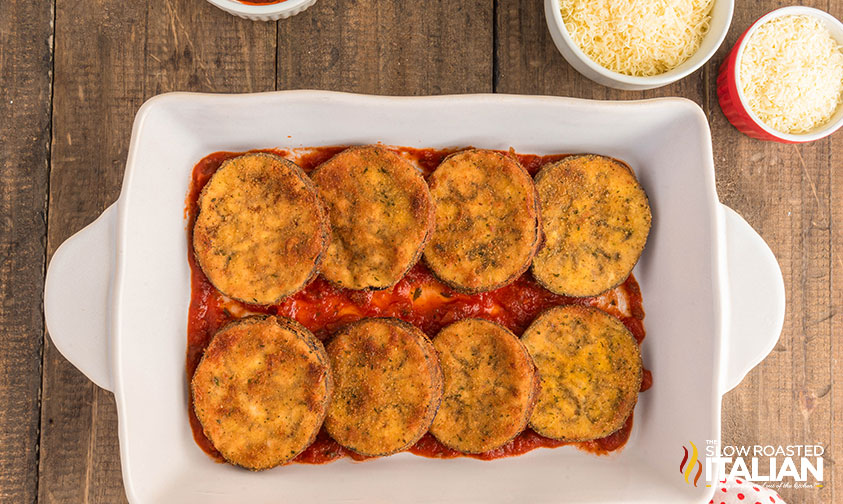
(783,79)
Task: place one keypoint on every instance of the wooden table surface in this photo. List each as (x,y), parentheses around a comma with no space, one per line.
(73,74)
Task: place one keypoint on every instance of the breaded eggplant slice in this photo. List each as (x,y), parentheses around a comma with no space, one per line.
(596,219)
(388,386)
(590,369)
(491,386)
(381,216)
(261,391)
(487,221)
(261,229)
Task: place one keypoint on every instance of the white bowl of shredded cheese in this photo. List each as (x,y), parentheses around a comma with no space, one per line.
(638,44)
(783,80)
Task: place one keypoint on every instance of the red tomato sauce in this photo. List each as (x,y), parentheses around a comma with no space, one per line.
(418,298)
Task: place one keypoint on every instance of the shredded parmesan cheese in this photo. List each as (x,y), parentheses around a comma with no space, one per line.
(791,74)
(637,37)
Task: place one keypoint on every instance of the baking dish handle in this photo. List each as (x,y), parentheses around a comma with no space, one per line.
(756,300)
(76,297)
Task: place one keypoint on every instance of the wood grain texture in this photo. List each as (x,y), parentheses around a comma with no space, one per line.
(25,88)
(785,192)
(393,48)
(97,87)
(193,46)
(111,56)
(834,393)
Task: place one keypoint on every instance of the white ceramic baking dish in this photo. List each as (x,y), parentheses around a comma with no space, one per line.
(117,295)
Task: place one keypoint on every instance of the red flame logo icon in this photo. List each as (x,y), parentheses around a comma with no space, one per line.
(686,467)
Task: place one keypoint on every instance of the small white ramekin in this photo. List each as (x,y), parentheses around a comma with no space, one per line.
(730,94)
(721,18)
(268,12)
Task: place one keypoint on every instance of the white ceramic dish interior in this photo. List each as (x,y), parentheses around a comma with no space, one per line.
(117,294)
(269,12)
(721,18)
(835,28)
